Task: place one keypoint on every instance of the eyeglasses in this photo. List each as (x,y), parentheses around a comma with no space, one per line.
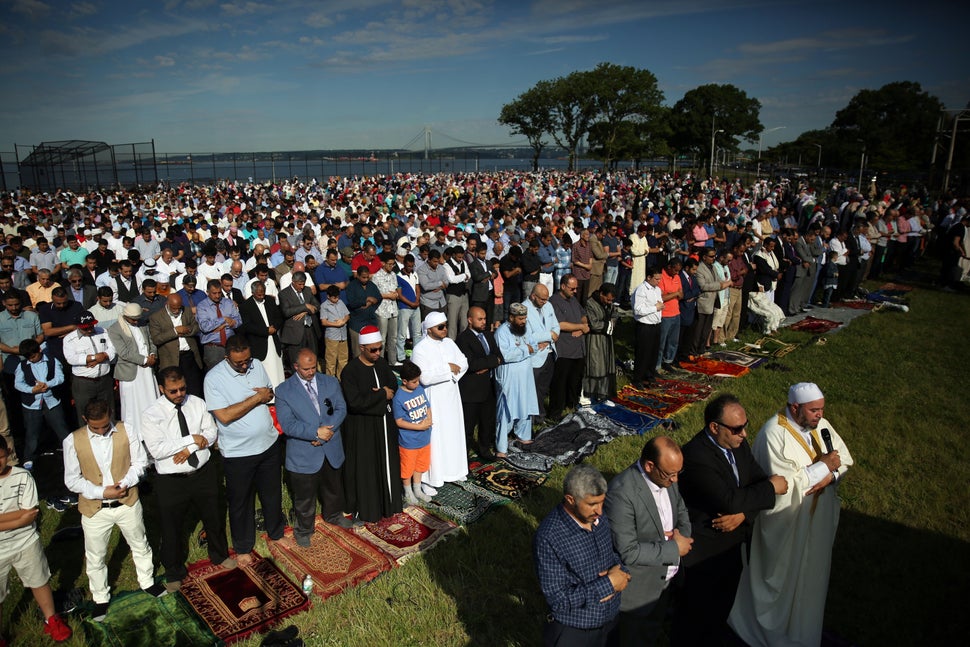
(734,430)
(374,350)
(665,475)
(443,326)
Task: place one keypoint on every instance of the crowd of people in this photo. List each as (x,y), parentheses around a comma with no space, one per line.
(266,322)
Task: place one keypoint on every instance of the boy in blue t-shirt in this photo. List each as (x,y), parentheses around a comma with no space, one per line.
(412,413)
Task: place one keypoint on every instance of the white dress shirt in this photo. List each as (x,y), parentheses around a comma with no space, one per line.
(78,347)
(103,451)
(163,437)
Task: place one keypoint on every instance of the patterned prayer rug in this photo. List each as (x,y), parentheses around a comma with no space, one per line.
(736,357)
(501,479)
(140,619)
(463,502)
(572,438)
(529,462)
(679,389)
(640,423)
(770,347)
(714,367)
(652,404)
(237,603)
(815,325)
(407,533)
(336,559)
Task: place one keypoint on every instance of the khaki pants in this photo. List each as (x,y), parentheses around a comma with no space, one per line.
(5,434)
(335,357)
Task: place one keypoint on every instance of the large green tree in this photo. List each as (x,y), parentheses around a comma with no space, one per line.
(572,110)
(896,123)
(636,139)
(529,115)
(627,102)
(709,108)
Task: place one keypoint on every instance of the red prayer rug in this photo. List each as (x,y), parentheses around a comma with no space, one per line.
(855,305)
(236,603)
(815,325)
(407,533)
(715,368)
(336,559)
(735,357)
(897,287)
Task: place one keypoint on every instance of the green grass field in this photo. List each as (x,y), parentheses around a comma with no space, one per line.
(894,387)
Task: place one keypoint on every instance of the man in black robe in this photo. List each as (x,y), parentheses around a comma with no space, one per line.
(372,471)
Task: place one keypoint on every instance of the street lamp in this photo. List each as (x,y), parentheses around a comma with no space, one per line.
(713,135)
(819,147)
(862,163)
(760,137)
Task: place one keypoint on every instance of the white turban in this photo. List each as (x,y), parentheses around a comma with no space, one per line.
(804,392)
(433,319)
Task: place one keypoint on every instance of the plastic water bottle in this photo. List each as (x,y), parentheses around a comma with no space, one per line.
(307,585)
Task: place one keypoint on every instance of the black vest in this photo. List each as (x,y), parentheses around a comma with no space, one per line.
(457,289)
(126,295)
(27,399)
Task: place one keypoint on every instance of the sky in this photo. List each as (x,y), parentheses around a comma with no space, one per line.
(244,75)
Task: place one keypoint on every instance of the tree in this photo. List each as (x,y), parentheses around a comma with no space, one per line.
(896,124)
(623,95)
(635,139)
(529,115)
(713,107)
(572,110)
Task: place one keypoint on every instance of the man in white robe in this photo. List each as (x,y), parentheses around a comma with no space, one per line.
(135,367)
(781,596)
(442,364)
(517,399)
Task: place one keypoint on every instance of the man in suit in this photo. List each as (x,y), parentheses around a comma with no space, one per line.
(480,290)
(300,326)
(173,330)
(724,488)
(651,532)
(310,408)
(230,291)
(476,386)
(262,321)
(78,290)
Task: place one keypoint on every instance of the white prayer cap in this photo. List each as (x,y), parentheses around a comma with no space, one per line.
(804,392)
(370,335)
(433,319)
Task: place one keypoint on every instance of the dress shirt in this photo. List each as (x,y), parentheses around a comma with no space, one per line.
(101,447)
(645,299)
(176,322)
(661,497)
(205,314)
(163,437)
(569,560)
(78,347)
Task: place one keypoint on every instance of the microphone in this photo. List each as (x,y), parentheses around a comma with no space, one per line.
(827,439)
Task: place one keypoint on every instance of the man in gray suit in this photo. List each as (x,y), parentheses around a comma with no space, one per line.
(300,326)
(651,532)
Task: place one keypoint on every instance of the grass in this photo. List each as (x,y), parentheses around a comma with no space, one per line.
(894,387)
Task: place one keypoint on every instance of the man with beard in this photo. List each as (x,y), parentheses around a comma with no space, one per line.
(781,597)
(372,470)
(135,368)
(442,365)
(517,400)
(543,327)
(476,386)
(567,376)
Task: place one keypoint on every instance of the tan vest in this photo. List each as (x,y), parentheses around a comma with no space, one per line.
(120,463)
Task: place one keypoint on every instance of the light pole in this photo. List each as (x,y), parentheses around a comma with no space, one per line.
(760,136)
(819,147)
(713,135)
(862,163)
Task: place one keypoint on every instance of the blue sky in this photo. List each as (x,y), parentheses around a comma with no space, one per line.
(244,75)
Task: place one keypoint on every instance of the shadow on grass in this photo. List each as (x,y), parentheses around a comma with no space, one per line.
(896,585)
(489,573)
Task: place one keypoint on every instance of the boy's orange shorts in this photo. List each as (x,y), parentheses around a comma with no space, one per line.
(415,460)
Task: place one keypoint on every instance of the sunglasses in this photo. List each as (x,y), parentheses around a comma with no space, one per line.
(734,430)
(329,406)
(374,350)
(443,326)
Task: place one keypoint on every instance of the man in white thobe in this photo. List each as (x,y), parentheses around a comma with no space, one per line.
(781,596)
(135,367)
(442,364)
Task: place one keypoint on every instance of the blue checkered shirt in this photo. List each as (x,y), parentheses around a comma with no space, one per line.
(569,560)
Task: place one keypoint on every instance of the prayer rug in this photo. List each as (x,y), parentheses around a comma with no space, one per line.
(529,462)
(641,423)
(650,404)
(463,502)
(572,439)
(736,357)
(887,297)
(337,559)
(406,533)
(141,619)
(714,367)
(770,347)
(815,325)
(236,603)
(501,479)
(895,287)
(678,390)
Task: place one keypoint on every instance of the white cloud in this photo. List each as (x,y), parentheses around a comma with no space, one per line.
(164,61)
(244,8)
(33,9)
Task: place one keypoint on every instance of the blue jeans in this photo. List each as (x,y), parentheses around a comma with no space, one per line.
(669,338)
(407,319)
(610,274)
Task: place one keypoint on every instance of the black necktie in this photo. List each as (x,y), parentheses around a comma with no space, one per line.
(184,428)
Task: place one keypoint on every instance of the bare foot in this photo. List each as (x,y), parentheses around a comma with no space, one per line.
(244,560)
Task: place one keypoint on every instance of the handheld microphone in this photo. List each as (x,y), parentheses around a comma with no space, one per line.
(827,439)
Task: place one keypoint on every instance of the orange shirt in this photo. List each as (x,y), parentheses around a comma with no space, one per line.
(667,285)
